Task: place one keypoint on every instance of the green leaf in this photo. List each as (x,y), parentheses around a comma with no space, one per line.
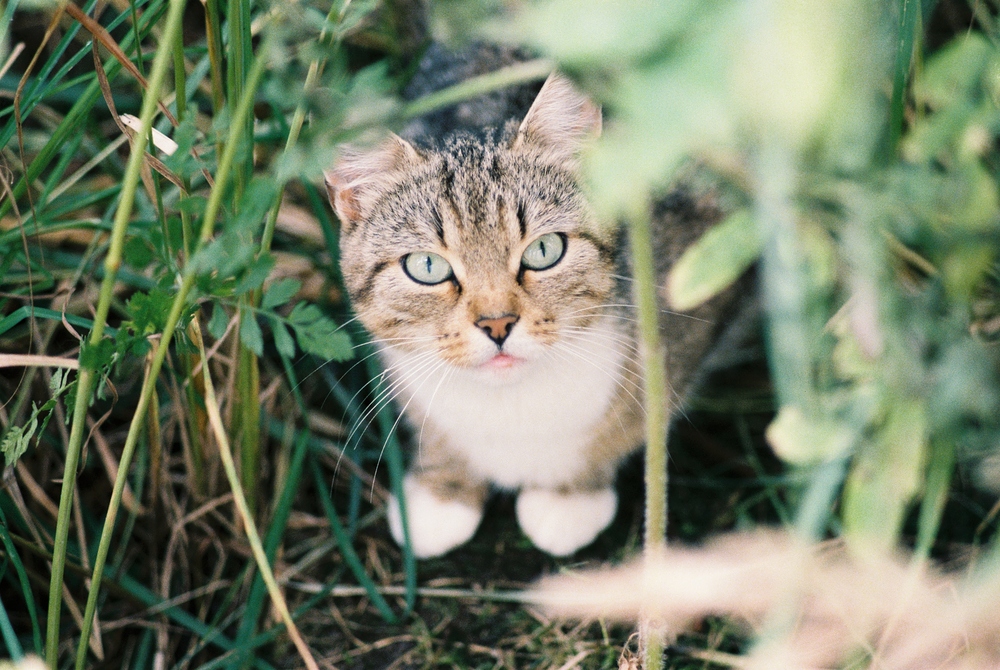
(280,292)
(219,321)
(149,311)
(250,333)
(138,253)
(255,274)
(97,356)
(886,476)
(319,335)
(283,339)
(16,441)
(804,440)
(715,261)
(954,71)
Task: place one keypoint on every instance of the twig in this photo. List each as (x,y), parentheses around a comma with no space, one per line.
(345,591)
(222,441)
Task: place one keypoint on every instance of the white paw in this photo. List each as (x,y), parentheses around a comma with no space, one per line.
(560,524)
(436,525)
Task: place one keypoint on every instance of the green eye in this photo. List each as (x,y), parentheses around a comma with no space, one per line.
(425,267)
(544,252)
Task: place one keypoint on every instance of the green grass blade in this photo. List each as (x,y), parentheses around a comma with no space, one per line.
(111,264)
(22,577)
(347,548)
(22,313)
(394,460)
(9,636)
(909,22)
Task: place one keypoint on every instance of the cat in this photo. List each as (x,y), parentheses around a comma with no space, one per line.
(502,311)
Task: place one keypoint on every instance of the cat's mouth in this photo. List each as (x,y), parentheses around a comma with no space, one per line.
(502,361)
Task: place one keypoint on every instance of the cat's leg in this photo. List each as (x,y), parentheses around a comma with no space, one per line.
(560,521)
(442,511)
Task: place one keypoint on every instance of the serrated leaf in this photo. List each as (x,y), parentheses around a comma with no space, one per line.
(149,311)
(715,261)
(10,447)
(319,335)
(17,440)
(280,292)
(57,379)
(219,322)
(97,356)
(250,333)
(283,339)
(255,274)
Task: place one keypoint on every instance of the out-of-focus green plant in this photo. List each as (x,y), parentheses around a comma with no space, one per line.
(873,239)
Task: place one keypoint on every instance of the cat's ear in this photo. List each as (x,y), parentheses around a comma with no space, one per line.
(359,176)
(560,121)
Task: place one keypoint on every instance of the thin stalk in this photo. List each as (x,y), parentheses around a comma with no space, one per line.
(245,430)
(86,378)
(655,401)
(176,310)
(180,88)
(213,38)
(260,556)
(240,54)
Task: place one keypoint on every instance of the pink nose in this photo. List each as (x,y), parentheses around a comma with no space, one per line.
(497,328)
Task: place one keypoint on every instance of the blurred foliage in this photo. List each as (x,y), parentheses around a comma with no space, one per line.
(874,258)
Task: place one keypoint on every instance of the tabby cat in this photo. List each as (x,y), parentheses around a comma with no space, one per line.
(503,314)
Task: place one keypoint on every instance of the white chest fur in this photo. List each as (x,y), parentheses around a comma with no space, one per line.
(531,431)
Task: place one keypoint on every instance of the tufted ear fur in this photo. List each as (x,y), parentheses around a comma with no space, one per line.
(560,121)
(360,175)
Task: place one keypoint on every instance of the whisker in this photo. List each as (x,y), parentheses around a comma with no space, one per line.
(579,352)
(387,394)
(631,306)
(579,336)
(399,418)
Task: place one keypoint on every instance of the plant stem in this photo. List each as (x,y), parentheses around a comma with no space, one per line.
(86,378)
(260,556)
(176,310)
(655,400)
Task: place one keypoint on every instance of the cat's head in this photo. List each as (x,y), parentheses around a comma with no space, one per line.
(481,253)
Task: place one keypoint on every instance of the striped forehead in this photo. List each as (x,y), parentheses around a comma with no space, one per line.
(475,206)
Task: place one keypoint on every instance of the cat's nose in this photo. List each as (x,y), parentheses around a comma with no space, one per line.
(497,328)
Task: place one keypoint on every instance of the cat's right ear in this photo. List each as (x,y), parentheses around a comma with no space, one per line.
(359,176)
(561,120)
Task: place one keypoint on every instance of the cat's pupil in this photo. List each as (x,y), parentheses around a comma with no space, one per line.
(541,247)
(428,263)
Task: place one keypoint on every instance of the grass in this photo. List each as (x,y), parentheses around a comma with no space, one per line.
(208,488)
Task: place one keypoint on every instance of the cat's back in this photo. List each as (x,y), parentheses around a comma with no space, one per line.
(441,67)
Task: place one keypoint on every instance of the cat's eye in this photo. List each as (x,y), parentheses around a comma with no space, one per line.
(544,252)
(426,267)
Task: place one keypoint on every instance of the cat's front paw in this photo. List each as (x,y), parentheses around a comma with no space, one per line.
(561,523)
(436,524)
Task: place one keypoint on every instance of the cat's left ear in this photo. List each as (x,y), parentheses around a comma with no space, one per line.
(360,176)
(560,121)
